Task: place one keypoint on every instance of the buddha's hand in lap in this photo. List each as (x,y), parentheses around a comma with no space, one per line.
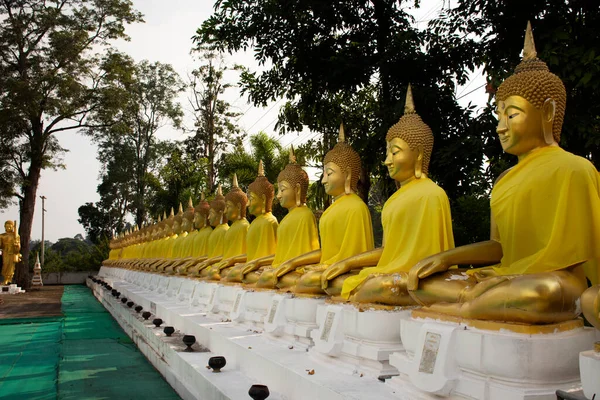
(250,267)
(284,268)
(332,272)
(424,268)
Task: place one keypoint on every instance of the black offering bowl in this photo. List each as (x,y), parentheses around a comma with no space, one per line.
(130,304)
(114,292)
(169,330)
(124,300)
(118,295)
(259,392)
(189,340)
(146,314)
(138,309)
(216,363)
(157,322)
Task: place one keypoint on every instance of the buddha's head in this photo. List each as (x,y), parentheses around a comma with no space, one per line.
(169,222)
(530,104)
(187,223)
(201,213)
(236,201)
(9,226)
(217,208)
(341,168)
(260,193)
(292,184)
(178,221)
(409,145)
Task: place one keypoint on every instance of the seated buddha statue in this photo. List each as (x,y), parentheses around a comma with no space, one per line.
(182,247)
(214,247)
(234,240)
(261,240)
(297,233)
(545,216)
(198,238)
(164,245)
(345,226)
(172,246)
(416,222)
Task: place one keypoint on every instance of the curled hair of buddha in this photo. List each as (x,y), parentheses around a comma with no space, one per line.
(218,203)
(189,211)
(263,187)
(237,196)
(203,207)
(344,156)
(413,131)
(294,174)
(533,81)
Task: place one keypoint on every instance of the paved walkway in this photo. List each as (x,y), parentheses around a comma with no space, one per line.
(83,354)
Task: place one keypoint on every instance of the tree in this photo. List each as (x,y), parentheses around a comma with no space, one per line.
(490,34)
(351,61)
(129,148)
(214,128)
(48,72)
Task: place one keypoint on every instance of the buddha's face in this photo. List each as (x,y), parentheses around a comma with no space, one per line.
(9,227)
(186,225)
(232,210)
(401,160)
(256,204)
(519,126)
(214,217)
(198,220)
(169,229)
(176,227)
(333,179)
(286,195)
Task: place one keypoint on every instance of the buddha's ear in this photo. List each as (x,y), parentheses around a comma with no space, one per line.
(264,203)
(548,114)
(240,210)
(298,191)
(348,181)
(419,162)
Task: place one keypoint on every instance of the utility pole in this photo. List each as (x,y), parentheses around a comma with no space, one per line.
(43,242)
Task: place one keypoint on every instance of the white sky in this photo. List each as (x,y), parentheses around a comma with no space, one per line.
(165,37)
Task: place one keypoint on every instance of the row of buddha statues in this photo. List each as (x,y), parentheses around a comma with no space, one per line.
(544,234)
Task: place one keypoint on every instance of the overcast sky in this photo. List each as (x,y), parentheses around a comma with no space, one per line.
(165,37)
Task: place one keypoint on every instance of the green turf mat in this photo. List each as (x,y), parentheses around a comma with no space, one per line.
(83,355)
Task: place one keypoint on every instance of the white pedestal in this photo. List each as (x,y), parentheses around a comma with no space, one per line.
(362,339)
(589,365)
(251,307)
(454,359)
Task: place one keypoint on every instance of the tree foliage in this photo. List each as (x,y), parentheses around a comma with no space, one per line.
(146,100)
(49,58)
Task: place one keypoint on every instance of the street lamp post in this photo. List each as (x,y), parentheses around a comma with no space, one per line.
(43,241)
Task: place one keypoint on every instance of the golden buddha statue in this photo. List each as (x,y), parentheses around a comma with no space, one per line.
(172,246)
(545,222)
(261,240)
(197,240)
(182,247)
(235,238)
(416,222)
(163,245)
(345,226)
(297,233)
(10,244)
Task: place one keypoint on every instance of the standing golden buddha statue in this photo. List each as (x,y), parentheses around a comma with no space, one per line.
(261,240)
(234,240)
(10,244)
(416,222)
(545,215)
(345,226)
(297,233)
